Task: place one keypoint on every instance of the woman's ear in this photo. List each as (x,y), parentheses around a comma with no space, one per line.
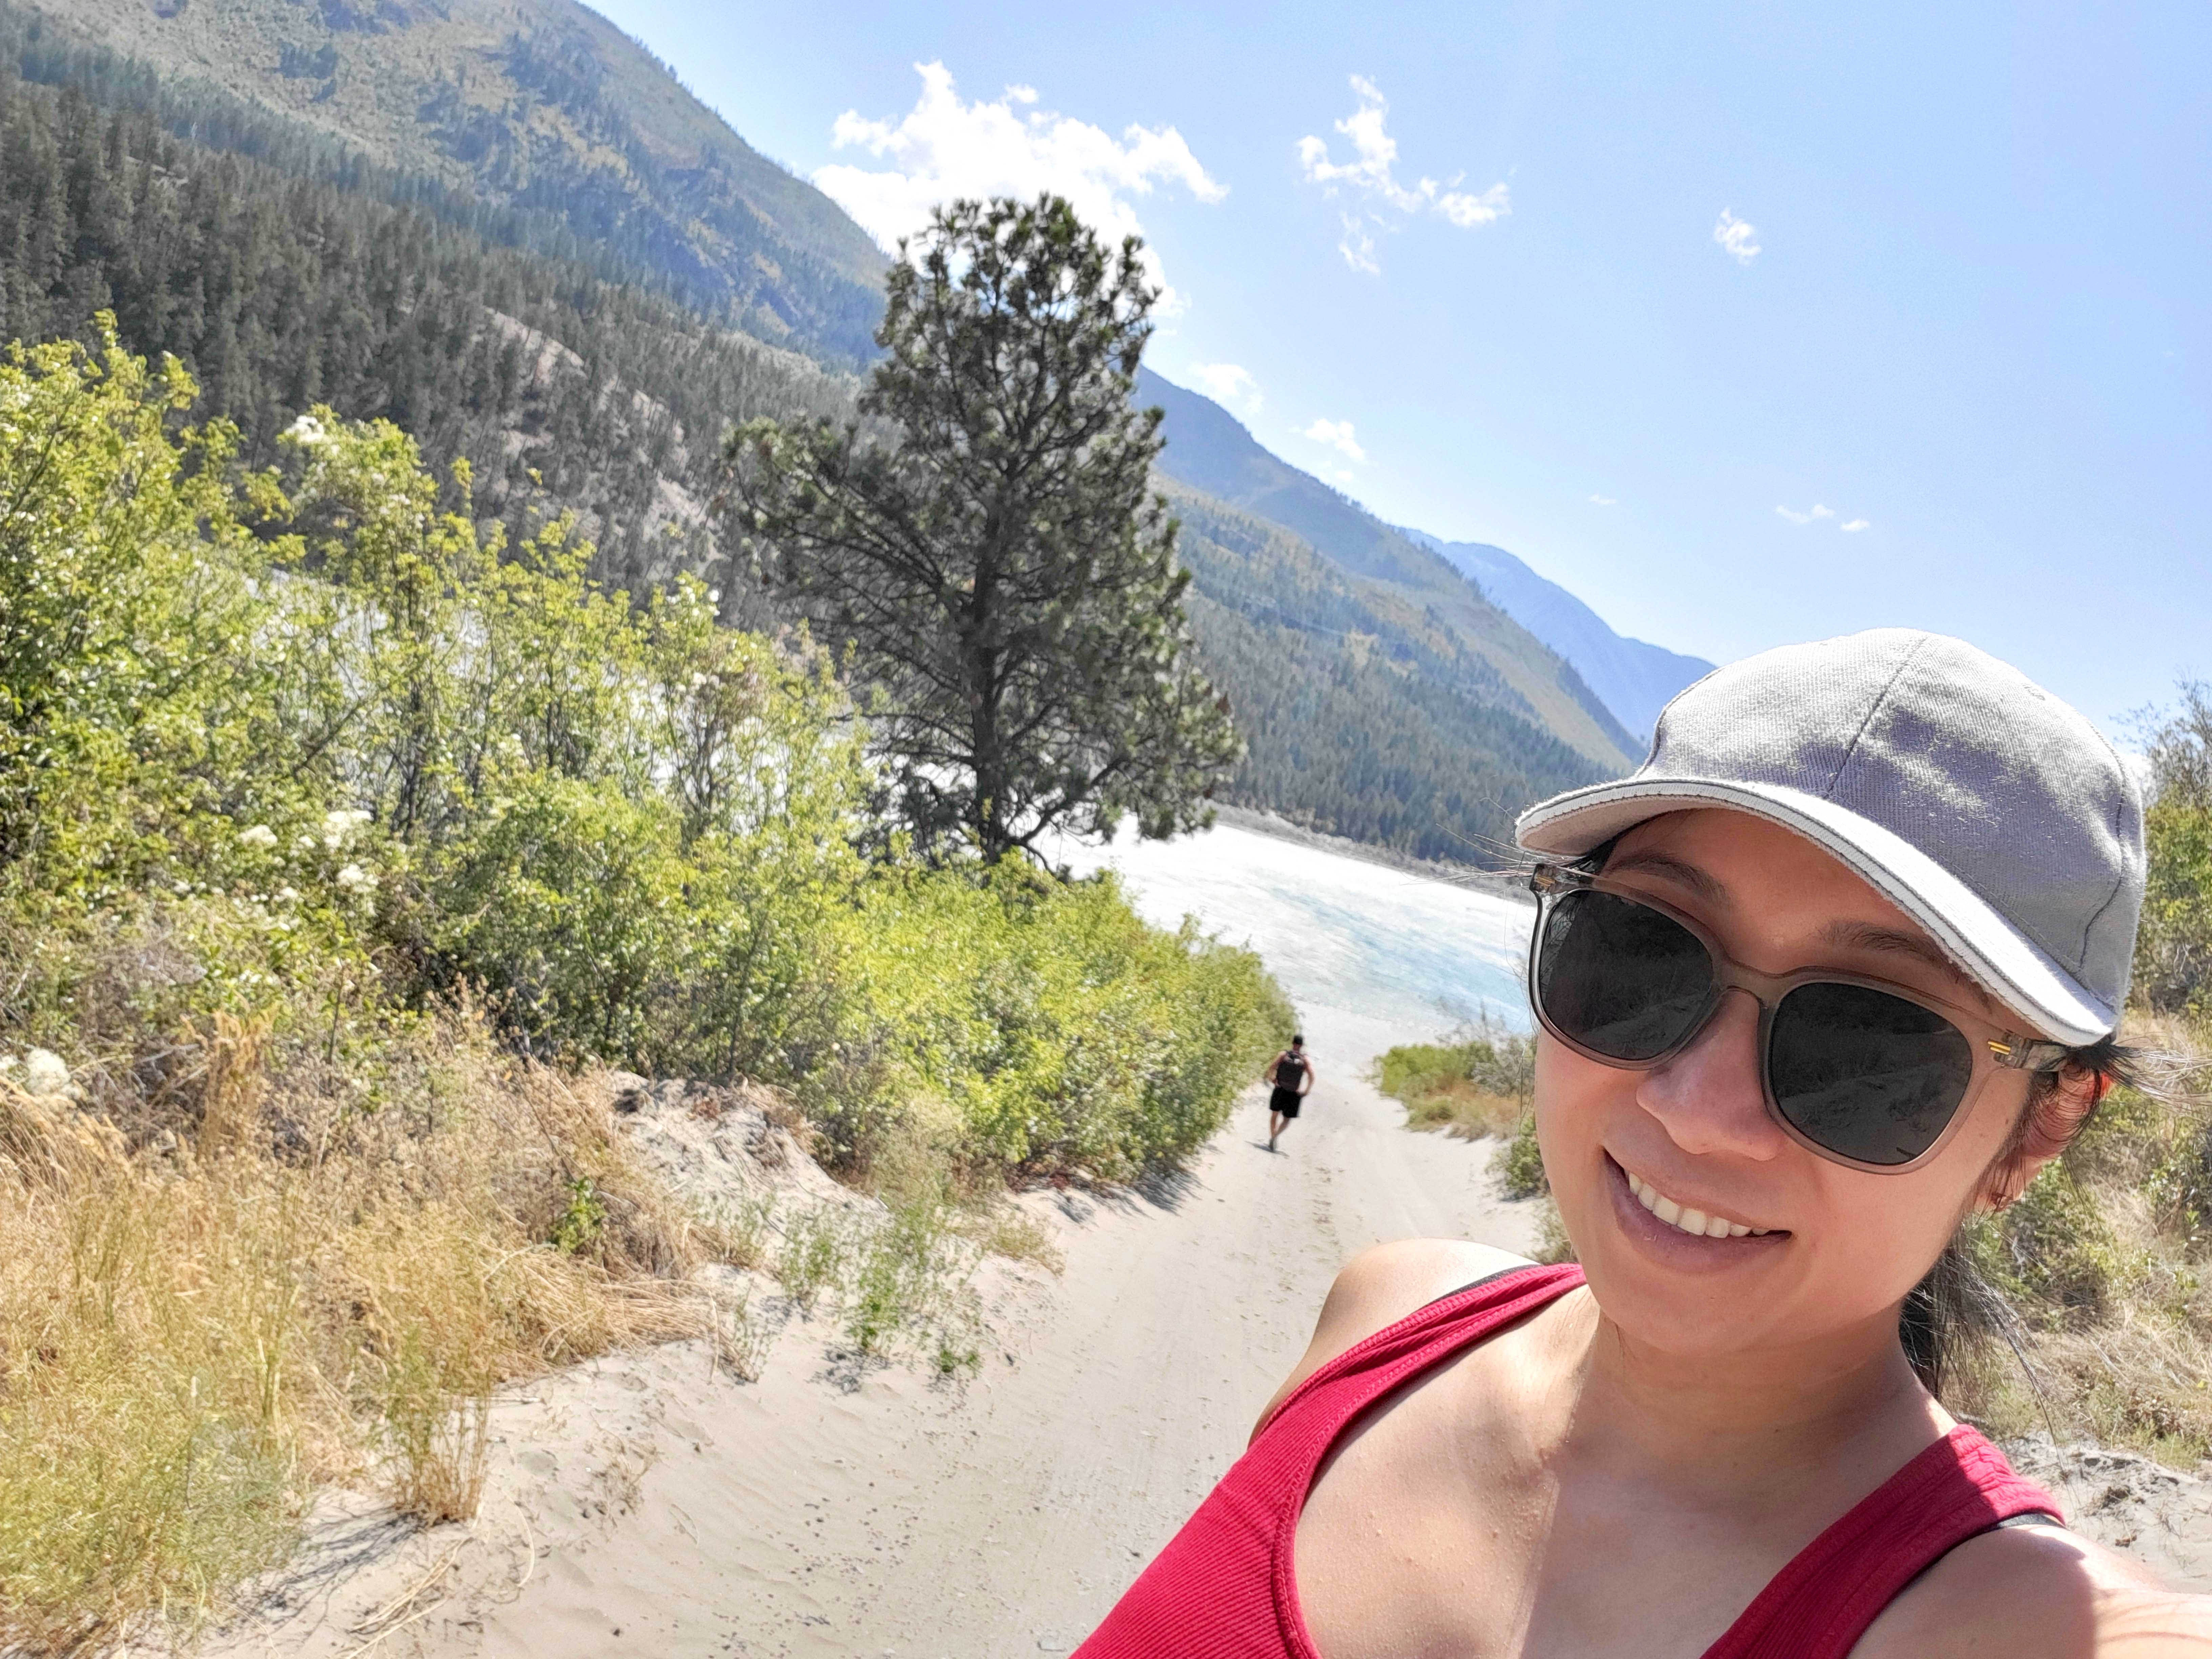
(2059,1104)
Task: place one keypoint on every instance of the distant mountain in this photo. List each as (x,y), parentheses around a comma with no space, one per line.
(1634,679)
(1210,450)
(541,107)
(1367,713)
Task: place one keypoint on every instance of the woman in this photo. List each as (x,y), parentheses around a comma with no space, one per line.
(1838,965)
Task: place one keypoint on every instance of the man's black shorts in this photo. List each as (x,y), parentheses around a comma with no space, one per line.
(1285,1100)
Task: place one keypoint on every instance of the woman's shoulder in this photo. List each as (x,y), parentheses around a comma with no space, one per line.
(2040,1593)
(1379,1286)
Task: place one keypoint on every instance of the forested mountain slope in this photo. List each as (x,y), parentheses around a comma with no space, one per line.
(1210,450)
(280,288)
(1367,713)
(1393,707)
(1634,677)
(539,105)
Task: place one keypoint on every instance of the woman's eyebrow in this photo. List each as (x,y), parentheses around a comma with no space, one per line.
(1658,863)
(1871,936)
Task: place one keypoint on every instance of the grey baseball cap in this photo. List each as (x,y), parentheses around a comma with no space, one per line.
(1978,803)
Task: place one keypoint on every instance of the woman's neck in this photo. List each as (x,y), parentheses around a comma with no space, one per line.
(1751,1417)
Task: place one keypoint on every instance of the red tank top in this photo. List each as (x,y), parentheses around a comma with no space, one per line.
(1225,1588)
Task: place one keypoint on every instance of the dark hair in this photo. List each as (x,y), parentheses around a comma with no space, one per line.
(1297,1042)
(1952,1303)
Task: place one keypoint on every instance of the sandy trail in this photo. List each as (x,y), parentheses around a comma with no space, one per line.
(638,1506)
(645,1505)
(899,1518)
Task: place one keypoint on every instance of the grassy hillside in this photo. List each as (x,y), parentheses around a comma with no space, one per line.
(542,105)
(1209,450)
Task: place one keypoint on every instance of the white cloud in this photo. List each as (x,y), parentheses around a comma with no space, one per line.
(1337,435)
(1817,512)
(944,147)
(1357,247)
(1738,238)
(1371,172)
(1230,383)
(1603,501)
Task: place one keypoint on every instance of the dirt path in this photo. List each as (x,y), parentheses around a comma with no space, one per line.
(897,1518)
(638,1506)
(645,1505)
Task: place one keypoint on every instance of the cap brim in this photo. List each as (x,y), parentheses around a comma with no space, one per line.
(1996,955)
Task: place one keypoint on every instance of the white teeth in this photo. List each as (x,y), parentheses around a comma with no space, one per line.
(1687,1220)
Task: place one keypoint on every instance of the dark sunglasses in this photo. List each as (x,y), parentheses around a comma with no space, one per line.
(1860,1070)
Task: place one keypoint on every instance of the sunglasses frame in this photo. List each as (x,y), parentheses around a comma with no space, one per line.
(1995,1048)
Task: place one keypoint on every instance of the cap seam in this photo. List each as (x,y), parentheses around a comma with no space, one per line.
(2118,828)
(1828,791)
(2119,885)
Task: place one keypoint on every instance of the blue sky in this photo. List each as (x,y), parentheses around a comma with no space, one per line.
(1665,300)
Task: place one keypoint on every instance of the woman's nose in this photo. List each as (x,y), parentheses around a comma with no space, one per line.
(1709,1099)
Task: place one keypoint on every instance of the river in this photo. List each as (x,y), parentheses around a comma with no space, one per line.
(1371,952)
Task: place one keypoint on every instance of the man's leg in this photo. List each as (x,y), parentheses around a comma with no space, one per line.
(1275,1129)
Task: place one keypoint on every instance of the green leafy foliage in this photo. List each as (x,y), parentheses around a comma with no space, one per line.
(1520,1163)
(584,1219)
(376,757)
(1039,1025)
(2173,952)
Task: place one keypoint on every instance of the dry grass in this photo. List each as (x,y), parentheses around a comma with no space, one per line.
(1477,1086)
(2106,1264)
(196,1328)
(1463,1109)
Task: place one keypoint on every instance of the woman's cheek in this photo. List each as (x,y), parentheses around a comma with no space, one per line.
(1571,1109)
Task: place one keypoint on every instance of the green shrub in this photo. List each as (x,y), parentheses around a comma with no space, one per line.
(1050,1027)
(1519,1164)
(303,832)
(582,1220)
(2173,951)
(1479,1085)
(2173,948)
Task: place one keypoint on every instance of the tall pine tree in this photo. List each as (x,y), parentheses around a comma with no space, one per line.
(986,544)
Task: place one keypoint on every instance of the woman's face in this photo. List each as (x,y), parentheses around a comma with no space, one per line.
(1843,1246)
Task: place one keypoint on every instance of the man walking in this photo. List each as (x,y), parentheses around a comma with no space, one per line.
(1293,1076)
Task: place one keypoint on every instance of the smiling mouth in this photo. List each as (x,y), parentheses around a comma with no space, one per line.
(1685,1218)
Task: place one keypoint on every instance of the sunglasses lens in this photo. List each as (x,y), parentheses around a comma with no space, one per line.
(1618,978)
(1865,1074)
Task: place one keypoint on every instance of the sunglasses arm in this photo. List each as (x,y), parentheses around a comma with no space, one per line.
(2019,1055)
